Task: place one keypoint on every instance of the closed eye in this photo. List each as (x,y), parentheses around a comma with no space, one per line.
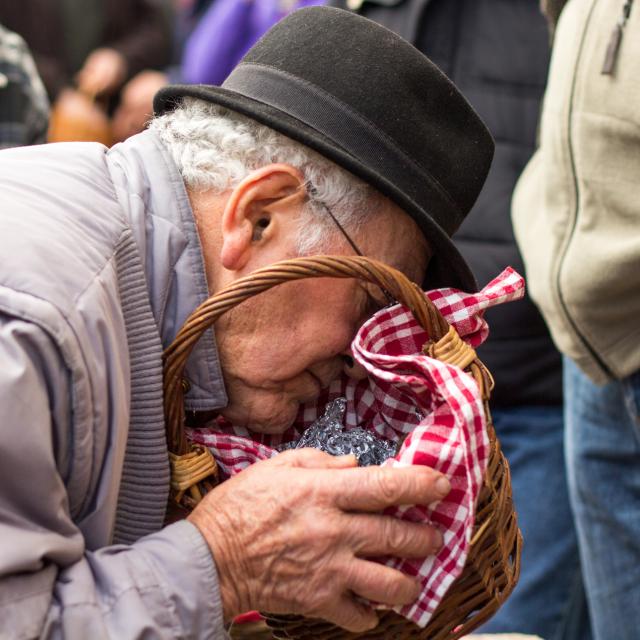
(374,302)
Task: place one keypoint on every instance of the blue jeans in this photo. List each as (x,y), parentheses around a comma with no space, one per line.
(549,598)
(603,466)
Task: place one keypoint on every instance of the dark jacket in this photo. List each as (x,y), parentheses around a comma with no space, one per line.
(136,28)
(497,53)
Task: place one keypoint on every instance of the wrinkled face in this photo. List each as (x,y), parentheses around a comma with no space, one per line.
(280,348)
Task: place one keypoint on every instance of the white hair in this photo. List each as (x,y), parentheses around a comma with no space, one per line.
(215,148)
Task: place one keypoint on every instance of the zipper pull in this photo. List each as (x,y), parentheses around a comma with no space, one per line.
(614,41)
(612,50)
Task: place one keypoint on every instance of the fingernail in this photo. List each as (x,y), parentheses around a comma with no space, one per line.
(443,486)
(374,622)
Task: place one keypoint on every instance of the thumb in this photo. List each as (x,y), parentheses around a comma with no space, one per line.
(309,458)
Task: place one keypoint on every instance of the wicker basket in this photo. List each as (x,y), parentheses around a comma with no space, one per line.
(493,562)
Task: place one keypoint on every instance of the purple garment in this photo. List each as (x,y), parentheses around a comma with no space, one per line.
(227,31)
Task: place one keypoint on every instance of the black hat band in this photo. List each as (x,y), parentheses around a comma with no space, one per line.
(334,119)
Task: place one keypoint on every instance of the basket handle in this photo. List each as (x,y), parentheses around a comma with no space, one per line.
(175,356)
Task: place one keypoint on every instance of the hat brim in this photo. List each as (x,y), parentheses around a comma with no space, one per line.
(447,267)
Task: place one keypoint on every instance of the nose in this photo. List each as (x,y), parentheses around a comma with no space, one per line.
(351,367)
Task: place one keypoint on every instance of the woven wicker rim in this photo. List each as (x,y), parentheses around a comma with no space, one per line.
(388,278)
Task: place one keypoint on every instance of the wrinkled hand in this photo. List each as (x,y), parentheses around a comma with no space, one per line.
(289,536)
(136,103)
(103,71)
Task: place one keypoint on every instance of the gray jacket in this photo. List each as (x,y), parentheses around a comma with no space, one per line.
(101,264)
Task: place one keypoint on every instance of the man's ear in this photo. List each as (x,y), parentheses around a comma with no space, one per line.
(247,218)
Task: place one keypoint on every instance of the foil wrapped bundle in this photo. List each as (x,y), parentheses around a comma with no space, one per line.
(328,434)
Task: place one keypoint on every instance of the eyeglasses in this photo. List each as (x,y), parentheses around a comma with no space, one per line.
(312,192)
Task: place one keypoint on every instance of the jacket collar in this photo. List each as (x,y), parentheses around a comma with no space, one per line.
(155,201)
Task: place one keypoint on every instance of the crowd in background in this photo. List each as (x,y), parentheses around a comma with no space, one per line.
(96,64)
(102,62)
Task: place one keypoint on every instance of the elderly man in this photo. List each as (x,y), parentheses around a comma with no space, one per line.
(331,134)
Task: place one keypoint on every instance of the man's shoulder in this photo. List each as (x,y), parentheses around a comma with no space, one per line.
(60,221)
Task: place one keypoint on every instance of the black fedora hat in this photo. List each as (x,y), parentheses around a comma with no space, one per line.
(371,102)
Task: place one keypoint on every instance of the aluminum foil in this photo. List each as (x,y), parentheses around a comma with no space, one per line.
(328,434)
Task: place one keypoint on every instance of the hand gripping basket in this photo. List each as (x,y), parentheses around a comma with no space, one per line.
(492,567)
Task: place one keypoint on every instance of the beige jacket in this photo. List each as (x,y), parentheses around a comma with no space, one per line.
(576,209)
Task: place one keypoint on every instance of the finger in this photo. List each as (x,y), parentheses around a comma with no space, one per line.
(308,458)
(375,488)
(352,615)
(373,535)
(382,584)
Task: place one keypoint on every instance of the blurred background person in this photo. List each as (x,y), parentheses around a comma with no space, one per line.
(24,107)
(135,107)
(497,53)
(227,31)
(211,38)
(86,50)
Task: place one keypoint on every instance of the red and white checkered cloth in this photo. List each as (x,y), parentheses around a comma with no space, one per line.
(435,405)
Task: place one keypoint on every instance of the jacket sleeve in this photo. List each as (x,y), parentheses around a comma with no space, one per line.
(163,586)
